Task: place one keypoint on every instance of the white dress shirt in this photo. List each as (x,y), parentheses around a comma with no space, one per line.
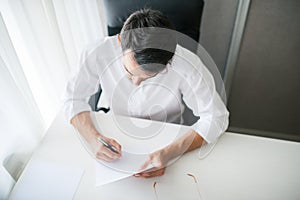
(158,98)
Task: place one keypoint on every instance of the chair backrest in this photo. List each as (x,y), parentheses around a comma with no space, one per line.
(185,15)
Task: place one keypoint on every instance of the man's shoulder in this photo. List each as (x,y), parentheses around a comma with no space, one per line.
(185,61)
(103,45)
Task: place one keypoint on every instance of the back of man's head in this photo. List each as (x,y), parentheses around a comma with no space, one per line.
(150,35)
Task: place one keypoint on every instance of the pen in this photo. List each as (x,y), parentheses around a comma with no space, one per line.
(107,145)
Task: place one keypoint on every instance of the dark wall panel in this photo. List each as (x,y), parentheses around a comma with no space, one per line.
(265,92)
(216,29)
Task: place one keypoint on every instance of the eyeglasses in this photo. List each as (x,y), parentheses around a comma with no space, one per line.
(190,175)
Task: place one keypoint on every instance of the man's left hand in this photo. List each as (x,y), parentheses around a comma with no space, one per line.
(158,160)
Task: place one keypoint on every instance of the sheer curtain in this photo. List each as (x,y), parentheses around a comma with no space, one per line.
(40,42)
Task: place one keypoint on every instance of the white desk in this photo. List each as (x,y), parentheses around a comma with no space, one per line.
(240,167)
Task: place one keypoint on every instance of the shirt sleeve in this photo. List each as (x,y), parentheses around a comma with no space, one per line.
(80,87)
(200,95)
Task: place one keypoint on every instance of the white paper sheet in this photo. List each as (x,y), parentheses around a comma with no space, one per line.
(124,167)
(135,136)
(138,138)
(105,175)
(48,181)
(128,163)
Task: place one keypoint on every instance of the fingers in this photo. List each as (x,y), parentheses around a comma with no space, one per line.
(106,154)
(104,157)
(145,165)
(158,170)
(116,145)
(151,174)
(157,160)
(110,154)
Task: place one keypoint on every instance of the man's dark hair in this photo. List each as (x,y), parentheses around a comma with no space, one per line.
(152,38)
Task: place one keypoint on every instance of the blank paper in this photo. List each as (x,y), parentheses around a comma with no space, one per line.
(48,181)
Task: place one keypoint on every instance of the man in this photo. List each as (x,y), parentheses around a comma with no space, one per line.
(157,72)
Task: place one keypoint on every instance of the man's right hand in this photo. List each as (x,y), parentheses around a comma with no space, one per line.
(102,152)
(83,123)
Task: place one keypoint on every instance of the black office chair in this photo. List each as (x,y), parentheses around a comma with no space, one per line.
(185,16)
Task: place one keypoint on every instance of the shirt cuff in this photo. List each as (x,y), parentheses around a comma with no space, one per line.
(73,108)
(211,129)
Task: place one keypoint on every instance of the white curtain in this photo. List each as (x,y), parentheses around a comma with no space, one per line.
(40,43)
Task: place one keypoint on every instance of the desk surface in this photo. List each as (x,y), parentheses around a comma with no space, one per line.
(239,167)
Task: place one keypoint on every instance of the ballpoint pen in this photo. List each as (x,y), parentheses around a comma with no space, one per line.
(107,145)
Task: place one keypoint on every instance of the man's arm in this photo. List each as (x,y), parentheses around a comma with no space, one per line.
(84,124)
(188,142)
(77,110)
